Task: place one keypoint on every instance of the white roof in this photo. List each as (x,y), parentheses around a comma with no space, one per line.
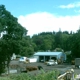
(47,53)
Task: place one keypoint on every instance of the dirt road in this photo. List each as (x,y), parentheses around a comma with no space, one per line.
(61,68)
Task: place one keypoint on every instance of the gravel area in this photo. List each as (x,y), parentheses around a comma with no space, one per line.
(61,68)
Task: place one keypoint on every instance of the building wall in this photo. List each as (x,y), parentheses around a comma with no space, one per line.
(61,56)
(46,58)
(64,56)
(37,57)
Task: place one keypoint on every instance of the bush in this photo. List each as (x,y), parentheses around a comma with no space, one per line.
(52,75)
(22,76)
(5,78)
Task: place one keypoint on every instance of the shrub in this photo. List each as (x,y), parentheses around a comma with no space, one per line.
(5,78)
(22,76)
(52,75)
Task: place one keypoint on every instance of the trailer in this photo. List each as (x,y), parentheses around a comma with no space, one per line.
(77,62)
(32,60)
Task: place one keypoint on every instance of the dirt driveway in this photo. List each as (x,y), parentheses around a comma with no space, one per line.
(61,68)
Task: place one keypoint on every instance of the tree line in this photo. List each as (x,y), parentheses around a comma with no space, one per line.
(49,41)
(14,39)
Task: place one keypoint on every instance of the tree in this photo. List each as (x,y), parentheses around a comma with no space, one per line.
(44,41)
(38,41)
(58,39)
(12,32)
(65,41)
(75,47)
(27,47)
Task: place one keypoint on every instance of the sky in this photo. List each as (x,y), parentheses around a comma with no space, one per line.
(45,15)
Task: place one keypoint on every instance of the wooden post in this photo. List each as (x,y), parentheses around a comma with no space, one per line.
(68,76)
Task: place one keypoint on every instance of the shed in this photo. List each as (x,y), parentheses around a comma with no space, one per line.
(45,56)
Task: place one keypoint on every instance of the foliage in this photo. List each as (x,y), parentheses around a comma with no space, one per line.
(26,47)
(52,75)
(48,41)
(14,39)
(76,45)
(58,39)
(44,41)
(11,35)
(58,50)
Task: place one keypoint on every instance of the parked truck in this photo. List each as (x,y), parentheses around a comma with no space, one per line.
(77,62)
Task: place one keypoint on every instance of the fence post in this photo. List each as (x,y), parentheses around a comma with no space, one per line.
(68,76)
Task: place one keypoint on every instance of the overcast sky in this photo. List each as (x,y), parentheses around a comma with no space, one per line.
(45,15)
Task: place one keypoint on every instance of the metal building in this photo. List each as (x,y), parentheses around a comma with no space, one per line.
(45,56)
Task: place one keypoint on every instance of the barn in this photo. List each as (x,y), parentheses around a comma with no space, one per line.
(45,56)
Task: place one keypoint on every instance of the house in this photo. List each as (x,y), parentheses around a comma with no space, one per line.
(45,56)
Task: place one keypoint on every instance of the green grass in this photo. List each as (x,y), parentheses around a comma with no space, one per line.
(52,75)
